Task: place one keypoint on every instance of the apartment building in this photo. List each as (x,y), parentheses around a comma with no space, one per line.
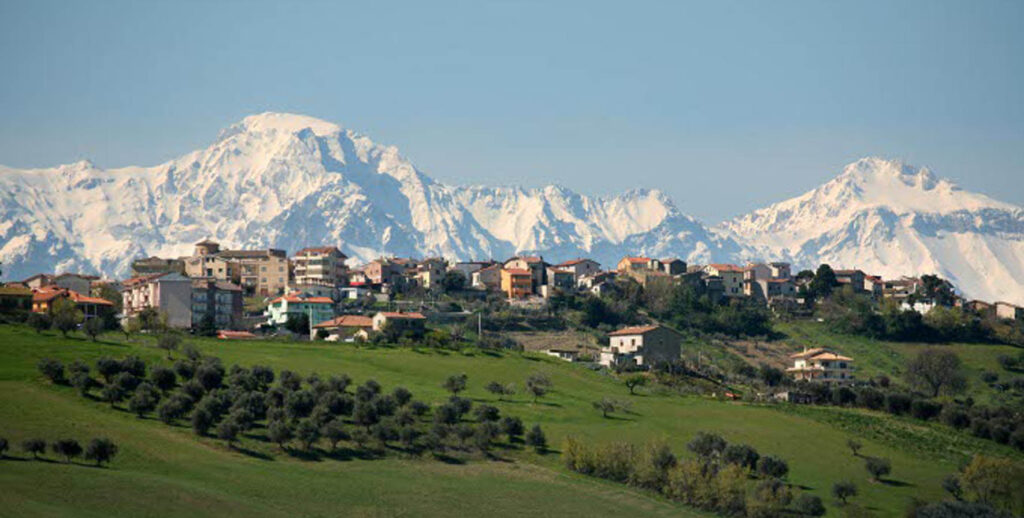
(641,346)
(216,302)
(168,293)
(821,365)
(320,266)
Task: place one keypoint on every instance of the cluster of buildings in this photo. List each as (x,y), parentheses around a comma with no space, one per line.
(208,288)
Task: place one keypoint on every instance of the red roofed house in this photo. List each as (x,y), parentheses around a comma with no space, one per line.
(580,267)
(400,322)
(15,298)
(280,310)
(641,346)
(487,278)
(517,283)
(732,278)
(633,264)
(347,328)
(44,298)
(535,265)
(821,365)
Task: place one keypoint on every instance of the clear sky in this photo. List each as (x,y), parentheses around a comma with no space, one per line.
(726,106)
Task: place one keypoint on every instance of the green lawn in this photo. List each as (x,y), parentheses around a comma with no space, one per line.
(166,470)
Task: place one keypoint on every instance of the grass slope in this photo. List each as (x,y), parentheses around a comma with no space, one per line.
(168,471)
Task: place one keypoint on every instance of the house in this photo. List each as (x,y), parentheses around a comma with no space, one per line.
(731,275)
(260,272)
(15,298)
(821,365)
(980,307)
(561,279)
(580,267)
(284,308)
(353,292)
(347,328)
(517,283)
(853,278)
(216,302)
(780,270)
(673,266)
(590,280)
(38,281)
(168,293)
(535,265)
(75,282)
(43,300)
(207,263)
(467,268)
(321,266)
(632,264)
(487,278)
(385,271)
(399,322)
(874,286)
(429,272)
(1009,311)
(902,288)
(641,346)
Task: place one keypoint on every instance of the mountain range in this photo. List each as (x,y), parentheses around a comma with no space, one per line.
(289,181)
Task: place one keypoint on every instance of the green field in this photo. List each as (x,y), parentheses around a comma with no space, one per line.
(166,470)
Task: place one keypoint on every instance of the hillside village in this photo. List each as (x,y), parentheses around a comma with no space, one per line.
(249,294)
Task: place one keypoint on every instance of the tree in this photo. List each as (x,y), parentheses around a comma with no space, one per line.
(280,433)
(487,413)
(53,370)
(83,382)
(453,280)
(94,327)
(952,486)
(606,406)
(298,323)
(334,432)
(168,342)
(497,389)
(635,380)
(308,433)
(994,481)
(228,430)
(844,490)
(131,326)
(512,427)
(112,393)
(741,455)
(538,385)
(877,467)
(854,446)
(67,448)
(455,383)
(202,421)
(163,377)
(809,505)
(144,400)
(824,281)
(100,450)
(34,446)
(66,316)
(108,368)
(39,322)
(934,371)
(536,438)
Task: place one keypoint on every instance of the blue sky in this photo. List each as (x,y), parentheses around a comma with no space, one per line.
(726,106)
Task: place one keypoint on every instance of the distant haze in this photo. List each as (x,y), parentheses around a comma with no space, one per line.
(724,106)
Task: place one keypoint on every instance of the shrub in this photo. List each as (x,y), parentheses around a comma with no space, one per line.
(401,395)
(870,398)
(39,322)
(67,448)
(184,369)
(100,450)
(707,445)
(771,466)
(955,416)
(83,382)
(741,455)
(112,393)
(897,404)
(924,409)
(651,466)
(169,342)
(809,505)
(108,368)
(455,383)
(164,378)
(844,491)
(877,467)
(854,446)
(53,370)
(94,327)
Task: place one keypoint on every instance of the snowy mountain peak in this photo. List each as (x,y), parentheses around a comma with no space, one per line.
(287,122)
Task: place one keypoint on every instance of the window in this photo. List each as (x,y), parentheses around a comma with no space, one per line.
(263,268)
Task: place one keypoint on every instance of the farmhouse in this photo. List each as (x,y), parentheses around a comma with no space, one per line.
(346,328)
(641,346)
(821,365)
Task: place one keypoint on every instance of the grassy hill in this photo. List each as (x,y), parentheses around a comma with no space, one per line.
(166,470)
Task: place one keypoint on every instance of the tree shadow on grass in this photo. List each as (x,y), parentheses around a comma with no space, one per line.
(253,453)
(448,459)
(896,483)
(311,455)
(612,417)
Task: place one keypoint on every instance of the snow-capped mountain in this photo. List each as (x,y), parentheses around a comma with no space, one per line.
(290,181)
(891,219)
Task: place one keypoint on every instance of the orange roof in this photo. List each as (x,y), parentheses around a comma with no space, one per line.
(831,356)
(394,314)
(320,250)
(49,293)
(347,321)
(807,352)
(574,262)
(517,271)
(142,279)
(635,330)
(726,267)
(639,259)
(82,299)
(298,300)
